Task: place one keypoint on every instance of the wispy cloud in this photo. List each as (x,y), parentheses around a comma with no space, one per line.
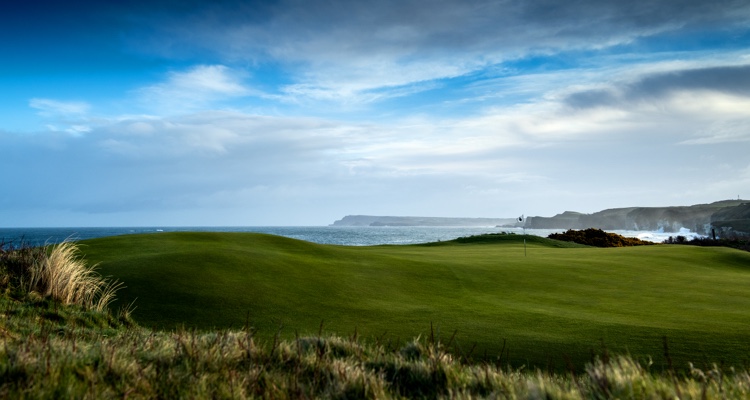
(198,87)
(68,116)
(732,130)
(216,133)
(57,108)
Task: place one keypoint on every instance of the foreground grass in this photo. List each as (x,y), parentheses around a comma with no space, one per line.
(56,271)
(52,350)
(550,307)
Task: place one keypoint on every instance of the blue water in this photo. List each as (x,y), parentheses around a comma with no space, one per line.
(341,235)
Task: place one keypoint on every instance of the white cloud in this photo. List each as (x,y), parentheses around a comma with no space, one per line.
(57,108)
(370,80)
(214,133)
(727,131)
(221,161)
(478,144)
(78,130)
(199,87)
(71,114)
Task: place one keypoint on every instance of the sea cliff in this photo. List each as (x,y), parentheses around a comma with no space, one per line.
(724,216)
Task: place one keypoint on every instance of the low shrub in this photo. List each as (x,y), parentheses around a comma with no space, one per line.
(735,242)
(598,238)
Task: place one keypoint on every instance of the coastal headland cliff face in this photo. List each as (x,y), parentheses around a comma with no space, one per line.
(728,216)
(724,216)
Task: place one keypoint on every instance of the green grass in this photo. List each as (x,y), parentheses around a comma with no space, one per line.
(559,302)
(51,350)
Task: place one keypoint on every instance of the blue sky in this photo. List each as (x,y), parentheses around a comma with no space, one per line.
(300,112)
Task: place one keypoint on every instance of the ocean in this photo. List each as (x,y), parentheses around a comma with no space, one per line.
(339,235)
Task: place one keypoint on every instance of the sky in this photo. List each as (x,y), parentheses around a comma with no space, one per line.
(293,112)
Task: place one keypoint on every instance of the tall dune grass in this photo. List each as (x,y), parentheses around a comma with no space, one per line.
(57,271)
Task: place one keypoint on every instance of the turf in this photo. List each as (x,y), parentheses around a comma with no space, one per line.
(556,303)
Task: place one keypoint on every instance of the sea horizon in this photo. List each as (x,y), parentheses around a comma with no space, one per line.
(337,235)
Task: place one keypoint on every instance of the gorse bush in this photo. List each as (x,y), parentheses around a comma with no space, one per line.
(598,238)
(56,271)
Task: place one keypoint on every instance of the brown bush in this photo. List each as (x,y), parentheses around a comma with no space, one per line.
(598,238)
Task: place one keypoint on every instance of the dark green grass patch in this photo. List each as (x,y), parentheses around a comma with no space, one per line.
(557,302)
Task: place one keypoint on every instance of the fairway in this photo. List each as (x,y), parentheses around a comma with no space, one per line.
(558,302)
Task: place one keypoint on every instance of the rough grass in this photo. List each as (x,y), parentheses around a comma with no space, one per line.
(56,271)
(553,306)
(50,350)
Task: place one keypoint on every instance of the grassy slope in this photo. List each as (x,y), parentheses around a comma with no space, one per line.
(53,351)
(555,301)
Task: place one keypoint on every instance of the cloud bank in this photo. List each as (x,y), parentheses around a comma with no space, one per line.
(340,49)
(294,112)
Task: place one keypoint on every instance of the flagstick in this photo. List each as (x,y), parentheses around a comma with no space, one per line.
(522,220)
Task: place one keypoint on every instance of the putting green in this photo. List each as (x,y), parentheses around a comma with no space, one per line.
(557,302)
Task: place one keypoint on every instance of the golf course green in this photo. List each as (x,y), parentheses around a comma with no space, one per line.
(543,305)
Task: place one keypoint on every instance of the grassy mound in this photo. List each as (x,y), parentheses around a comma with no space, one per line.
(555,304)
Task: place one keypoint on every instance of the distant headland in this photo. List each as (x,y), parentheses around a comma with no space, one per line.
(727,216)
(371,220)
